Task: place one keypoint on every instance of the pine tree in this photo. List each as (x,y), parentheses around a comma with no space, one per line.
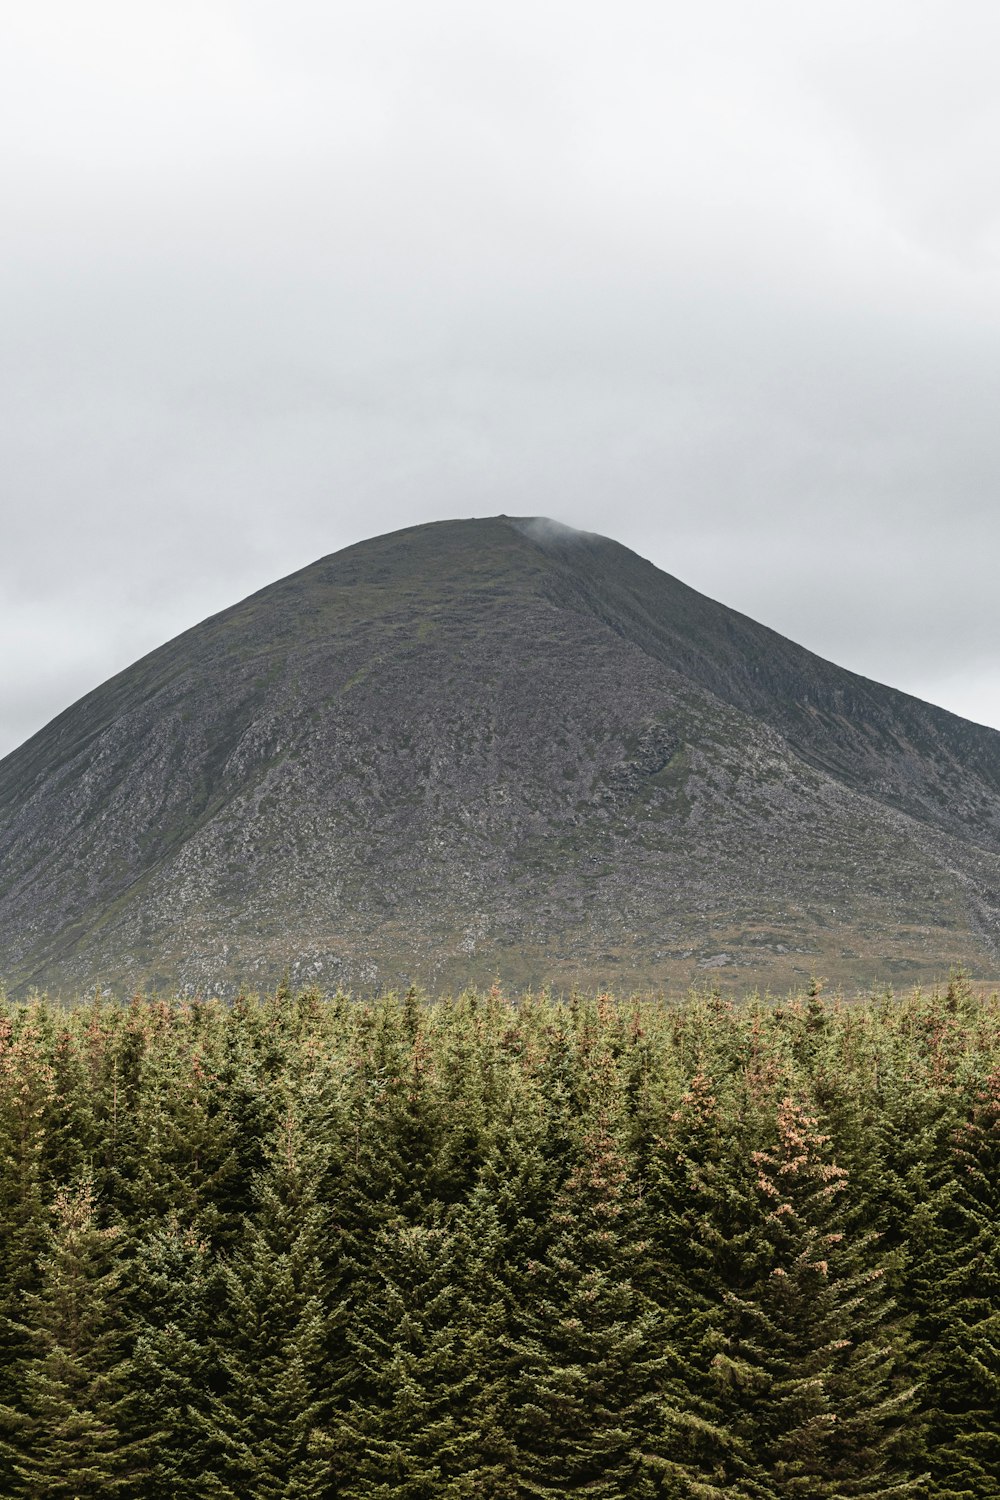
(956,1287)
(272,1331)
(483,1248)
(70,1436)
(420,1426)
(586,1358)
(811,1345)
(174,1296)
(26,1099)
(705,1244)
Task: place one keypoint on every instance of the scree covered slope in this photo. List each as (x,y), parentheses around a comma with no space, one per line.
(495,747)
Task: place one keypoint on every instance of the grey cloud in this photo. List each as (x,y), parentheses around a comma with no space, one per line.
(719,281)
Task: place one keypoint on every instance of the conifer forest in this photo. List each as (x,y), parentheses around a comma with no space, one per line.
(301,1247)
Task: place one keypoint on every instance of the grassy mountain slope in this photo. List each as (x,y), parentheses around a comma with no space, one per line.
(495,746)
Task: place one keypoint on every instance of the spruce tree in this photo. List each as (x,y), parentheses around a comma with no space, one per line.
(175,1296)
(586,1357)
(812,1350)
(705,1245)
(420,1426)
(956,1288)
(26,1101)
(71,1436)
(272,1334)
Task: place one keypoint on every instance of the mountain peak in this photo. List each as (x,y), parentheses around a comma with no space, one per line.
(495,745)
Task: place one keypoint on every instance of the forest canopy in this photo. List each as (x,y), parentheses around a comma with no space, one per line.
(500,1246)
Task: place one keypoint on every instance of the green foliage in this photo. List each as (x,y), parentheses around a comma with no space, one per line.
(300,1249)
(420,1424)
(175,1294)
(71,1432)
(272,1337)
(812,1338)
(956,1289)
(587,1360)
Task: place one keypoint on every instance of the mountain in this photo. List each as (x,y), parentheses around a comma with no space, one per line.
(495,747)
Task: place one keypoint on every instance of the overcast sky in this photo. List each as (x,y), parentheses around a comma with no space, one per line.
(721,280)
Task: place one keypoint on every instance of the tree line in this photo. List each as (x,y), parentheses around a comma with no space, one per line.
(301,1247)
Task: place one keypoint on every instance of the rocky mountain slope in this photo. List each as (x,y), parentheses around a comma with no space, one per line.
(495,747)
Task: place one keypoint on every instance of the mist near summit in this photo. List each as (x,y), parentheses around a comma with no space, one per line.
(721,282)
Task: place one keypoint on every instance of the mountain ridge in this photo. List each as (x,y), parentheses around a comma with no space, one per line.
(520,706)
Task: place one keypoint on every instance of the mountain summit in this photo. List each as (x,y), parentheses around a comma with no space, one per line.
(495,747)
